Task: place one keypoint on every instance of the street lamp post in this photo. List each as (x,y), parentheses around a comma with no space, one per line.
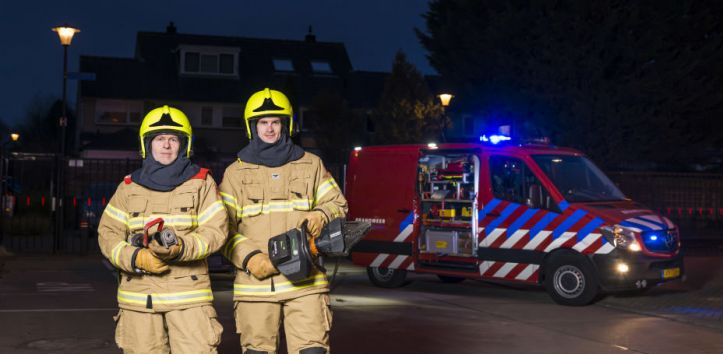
(445,99)
(3,185)
(65,34)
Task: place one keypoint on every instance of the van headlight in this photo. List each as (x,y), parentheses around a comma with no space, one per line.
(621,238)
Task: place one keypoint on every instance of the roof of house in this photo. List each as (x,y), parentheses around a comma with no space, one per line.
(154,72)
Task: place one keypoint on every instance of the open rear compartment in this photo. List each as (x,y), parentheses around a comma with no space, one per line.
(447,187)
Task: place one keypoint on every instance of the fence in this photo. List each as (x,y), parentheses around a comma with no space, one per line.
(693,201)
(89,184)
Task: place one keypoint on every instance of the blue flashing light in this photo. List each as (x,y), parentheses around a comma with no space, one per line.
(653,237)
(494,139)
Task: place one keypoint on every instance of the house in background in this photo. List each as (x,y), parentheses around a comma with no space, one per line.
(209,78)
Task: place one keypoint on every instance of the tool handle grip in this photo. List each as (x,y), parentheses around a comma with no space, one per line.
(148,226)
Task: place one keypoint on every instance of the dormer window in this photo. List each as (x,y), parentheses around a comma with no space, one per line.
(283,65)
(216,61)
(321,67)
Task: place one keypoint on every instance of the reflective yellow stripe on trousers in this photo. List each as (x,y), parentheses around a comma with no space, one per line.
(285,287)
(133,298)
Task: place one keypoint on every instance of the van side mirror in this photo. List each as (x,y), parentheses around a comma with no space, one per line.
(534,197)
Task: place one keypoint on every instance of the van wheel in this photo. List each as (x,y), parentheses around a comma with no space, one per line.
(450,280)
(387,277)
(570,280)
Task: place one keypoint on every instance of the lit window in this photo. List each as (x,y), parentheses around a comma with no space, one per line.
(118,112)
(113,117)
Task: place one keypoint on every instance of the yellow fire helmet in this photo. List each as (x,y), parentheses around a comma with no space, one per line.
(165,119)
(268,103)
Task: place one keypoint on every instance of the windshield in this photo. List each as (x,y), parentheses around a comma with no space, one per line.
(578,179)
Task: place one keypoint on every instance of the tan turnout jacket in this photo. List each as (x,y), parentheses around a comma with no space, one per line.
(196,213)
(263,202)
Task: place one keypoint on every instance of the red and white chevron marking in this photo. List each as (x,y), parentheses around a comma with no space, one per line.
(543,242)
(510,271)
(651,221)
(393,261)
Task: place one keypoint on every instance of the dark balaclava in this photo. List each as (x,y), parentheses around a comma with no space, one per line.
(277,154)
(159,177)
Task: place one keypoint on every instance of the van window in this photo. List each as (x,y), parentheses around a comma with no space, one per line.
(578,179)
(514,182)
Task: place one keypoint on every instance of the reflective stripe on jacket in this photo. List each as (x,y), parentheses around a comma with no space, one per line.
(195,212)
(263,202)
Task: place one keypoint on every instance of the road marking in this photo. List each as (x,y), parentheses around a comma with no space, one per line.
(63,287)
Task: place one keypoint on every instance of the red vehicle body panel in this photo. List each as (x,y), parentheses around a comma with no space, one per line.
(513,239)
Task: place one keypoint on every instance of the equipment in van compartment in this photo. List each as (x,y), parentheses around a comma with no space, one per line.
(446,187)
(441,241)
(451,242)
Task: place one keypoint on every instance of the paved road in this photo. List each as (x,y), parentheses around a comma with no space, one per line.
(65,305)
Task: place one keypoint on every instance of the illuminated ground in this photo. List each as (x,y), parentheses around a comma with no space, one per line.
(65,304)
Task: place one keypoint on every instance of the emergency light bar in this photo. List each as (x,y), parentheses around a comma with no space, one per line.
(494,139)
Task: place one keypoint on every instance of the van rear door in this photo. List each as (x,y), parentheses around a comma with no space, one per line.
(380,190)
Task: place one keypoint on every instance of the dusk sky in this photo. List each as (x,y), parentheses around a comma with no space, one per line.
(32,57)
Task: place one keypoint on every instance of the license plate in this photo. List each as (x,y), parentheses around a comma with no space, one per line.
(671,273)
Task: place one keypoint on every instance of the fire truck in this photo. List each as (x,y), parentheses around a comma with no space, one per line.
(521,213)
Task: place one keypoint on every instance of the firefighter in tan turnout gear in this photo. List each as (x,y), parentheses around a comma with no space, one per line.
(164,293)
(273,187)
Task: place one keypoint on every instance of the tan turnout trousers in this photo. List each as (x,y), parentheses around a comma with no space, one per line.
(263,202)
(307,322)
(192,330)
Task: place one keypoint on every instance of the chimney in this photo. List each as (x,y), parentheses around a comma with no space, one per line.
(171,28)
(310,37)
